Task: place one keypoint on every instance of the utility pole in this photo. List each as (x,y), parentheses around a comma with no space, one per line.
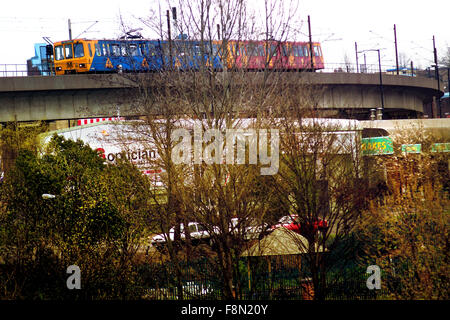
(356,51)
(396,52)
(381,83)
(175,22)
(437,77)
(381,80)
(70,29)
(170,39)
(311,53)
(365,63)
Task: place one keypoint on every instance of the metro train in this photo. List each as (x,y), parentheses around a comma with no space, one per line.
(138,55)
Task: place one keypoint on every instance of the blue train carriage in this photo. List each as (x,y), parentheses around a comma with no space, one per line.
(83,55)
(187,55)
(127,55)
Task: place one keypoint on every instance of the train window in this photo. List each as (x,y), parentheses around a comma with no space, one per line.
(78,50)
(317,52)
(123,50)
(90,49)
(285,50)
(215,50)
(151,49)
(243,49)
(105,49)
(259,50)
(305,51)
(178,49)
(251,49)
(114,50)
(165,49)
(68,51)
(143,49)
(133,50)
(98,51)
(59,54)
(236,49)
(273,50)
(196,50)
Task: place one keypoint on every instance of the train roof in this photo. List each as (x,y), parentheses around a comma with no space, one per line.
(179,40)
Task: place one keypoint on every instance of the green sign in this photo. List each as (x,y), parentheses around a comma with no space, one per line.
(377,146)
(412,148)
(440,147)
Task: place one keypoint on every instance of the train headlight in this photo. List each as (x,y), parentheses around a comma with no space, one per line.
(58,68)
(82,65)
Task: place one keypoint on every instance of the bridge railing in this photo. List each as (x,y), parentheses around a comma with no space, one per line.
(13,70)
(351,68)
(22,70)
(375,68)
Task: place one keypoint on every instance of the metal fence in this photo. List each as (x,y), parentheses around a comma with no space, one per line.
(23,70)
(375,68)
(258,278)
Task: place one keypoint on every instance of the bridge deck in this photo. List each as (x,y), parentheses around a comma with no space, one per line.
(96,95)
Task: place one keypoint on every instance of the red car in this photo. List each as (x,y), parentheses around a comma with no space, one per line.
(291,223)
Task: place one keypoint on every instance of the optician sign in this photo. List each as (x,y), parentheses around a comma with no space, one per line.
(116,140)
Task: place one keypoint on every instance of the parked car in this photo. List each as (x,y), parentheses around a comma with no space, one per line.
(197,232)
(249,229)
(245,228)
(291,222)
(288,222)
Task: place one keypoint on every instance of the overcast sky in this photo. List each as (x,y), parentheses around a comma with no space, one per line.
(337,24)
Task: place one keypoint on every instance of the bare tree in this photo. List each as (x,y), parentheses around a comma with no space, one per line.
(319,183)
(225,198)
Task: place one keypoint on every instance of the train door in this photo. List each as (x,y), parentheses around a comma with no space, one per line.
(286,57)
(318,57)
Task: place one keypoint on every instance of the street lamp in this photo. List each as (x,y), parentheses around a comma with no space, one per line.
(381,78)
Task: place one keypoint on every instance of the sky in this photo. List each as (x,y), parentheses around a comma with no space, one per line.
(336,24)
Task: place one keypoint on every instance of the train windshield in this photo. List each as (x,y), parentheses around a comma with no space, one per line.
(68,51)
(59,54)
(78,49)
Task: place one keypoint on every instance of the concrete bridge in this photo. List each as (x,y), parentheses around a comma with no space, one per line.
(94,95)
